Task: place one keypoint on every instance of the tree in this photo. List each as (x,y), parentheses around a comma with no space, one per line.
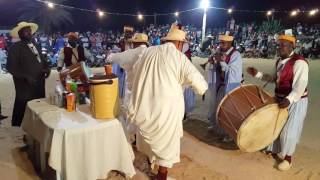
(47,19)
(271,26)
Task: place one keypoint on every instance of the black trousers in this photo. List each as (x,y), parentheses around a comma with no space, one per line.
(24,93)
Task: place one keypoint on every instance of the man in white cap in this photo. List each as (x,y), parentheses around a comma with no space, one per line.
(28,68)
(225,75)
(291,79)
(126,60)
(156,105)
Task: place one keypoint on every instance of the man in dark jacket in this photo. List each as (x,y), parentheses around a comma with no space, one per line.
(28,68)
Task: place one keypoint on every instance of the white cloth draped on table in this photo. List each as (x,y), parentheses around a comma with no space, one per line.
(82,148)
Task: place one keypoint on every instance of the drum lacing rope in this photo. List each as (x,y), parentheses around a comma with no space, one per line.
(252,94)
(237,109)
(261,95)
(248,99)
(228,119)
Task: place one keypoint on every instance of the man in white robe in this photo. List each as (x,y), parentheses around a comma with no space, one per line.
(291,79)
(225,75)
(157,103)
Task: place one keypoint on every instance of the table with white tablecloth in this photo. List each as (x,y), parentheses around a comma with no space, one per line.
(80,146)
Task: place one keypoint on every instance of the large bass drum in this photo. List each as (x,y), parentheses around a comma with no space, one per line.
(251,117)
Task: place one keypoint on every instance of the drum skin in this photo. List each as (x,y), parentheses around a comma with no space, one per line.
(251,117)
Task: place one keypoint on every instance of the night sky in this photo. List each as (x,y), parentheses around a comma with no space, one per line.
(216,18)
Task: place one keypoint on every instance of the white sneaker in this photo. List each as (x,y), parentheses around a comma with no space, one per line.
(284,165)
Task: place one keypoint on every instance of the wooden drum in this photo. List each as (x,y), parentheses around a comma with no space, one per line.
(78,70)
(251,117)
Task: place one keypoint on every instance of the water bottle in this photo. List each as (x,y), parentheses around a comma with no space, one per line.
(59,94)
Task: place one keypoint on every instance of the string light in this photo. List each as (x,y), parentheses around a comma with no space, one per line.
(269,13)
(294,13)
(313,12)
(100,13)
(204,4)
(140,17)
(50,5)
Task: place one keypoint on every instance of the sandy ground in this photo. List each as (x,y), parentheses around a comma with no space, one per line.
(203,156)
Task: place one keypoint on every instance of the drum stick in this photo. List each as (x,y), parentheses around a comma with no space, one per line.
(275,127)
(265,84)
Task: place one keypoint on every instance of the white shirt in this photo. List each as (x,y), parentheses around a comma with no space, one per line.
(34,51)
(300,78)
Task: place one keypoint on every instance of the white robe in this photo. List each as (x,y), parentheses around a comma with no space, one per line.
(157,104)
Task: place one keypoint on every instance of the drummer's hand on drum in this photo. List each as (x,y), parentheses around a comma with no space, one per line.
(283,102)
(252,71)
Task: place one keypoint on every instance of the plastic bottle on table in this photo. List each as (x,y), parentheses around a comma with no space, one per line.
(59,94)
(68,83)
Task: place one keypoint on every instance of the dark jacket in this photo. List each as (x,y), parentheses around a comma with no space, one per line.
(28,75)
(24,65)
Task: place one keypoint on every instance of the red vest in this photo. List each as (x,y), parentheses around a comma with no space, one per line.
(284,86)
(68,55)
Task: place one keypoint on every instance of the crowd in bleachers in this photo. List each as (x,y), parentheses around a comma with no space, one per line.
(249,40)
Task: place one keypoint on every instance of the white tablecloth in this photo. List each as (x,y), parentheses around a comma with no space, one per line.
(80,146)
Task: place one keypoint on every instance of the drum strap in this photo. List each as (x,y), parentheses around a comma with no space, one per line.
(253,107)
(276,125)
(75,56)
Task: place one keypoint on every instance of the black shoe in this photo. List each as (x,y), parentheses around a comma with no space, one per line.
(2,117)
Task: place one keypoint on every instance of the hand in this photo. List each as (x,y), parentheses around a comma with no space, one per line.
(218,58)
(283,102)
(223,58)
(46,72)
(252,71)
(108,58)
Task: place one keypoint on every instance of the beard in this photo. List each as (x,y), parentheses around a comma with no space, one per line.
(26,38)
